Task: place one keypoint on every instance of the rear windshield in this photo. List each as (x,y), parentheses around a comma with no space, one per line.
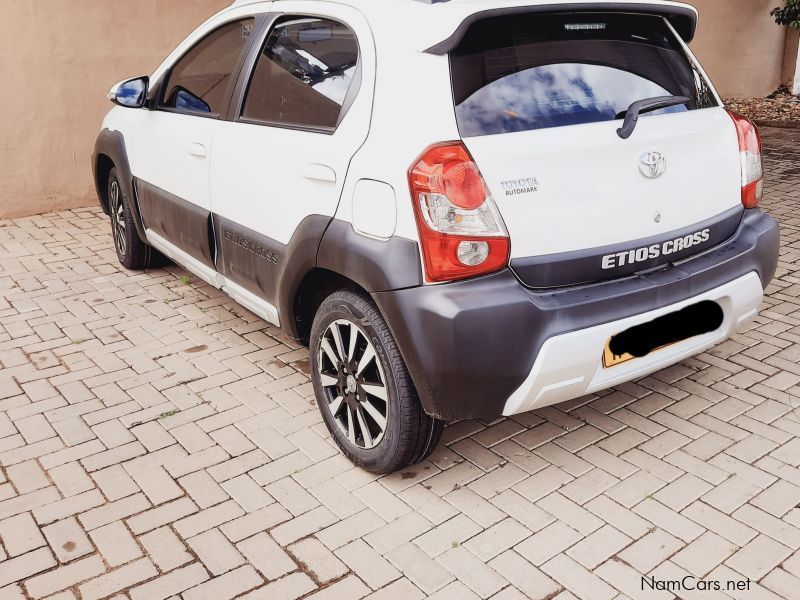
(536,71)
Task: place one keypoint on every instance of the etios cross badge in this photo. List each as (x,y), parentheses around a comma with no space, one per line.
(652,164)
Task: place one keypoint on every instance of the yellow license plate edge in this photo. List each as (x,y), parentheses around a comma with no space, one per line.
(612,360)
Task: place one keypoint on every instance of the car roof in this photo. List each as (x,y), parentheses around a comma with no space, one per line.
(438,25)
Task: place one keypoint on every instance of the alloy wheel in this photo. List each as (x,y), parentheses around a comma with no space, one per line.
(353,383)
(118,218)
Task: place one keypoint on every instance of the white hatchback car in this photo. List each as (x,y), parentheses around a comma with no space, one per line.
(455,204)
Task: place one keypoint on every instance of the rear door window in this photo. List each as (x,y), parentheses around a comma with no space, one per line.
(306,76)
(537,71)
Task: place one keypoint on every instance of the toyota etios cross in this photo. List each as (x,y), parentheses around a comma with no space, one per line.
(465,209)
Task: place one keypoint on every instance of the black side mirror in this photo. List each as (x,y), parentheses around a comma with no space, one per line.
(131,93)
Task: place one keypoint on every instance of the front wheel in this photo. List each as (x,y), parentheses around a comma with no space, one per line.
(363,388)
(131,251)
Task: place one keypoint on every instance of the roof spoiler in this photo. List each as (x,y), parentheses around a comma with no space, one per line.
(682,17)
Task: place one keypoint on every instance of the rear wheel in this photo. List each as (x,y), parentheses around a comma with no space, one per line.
(131,251)
(363,388)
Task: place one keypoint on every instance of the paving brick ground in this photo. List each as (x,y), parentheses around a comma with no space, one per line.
(158,441)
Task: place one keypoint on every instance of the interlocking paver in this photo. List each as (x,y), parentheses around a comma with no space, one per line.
(162,442)
(579,581)
(267,556)
(67,539)
(172,583)
(497,538)
(290,587)
(423,571)
(550,541)
(472,571)
(216,553)
(524,576)
(596,548)
(758,557)
(22,567)
(165,548)
(318,560)
(703,554)
(27,477)
(370,566)
(64,577)
(117,580)
(116,544)
(71,479)
(226,586)
(20,534)
(650,550)
(114,511)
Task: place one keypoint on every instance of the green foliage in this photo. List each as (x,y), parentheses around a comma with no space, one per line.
(789,14)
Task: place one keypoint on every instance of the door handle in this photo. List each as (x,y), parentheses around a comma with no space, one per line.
(319,172)
(197,149)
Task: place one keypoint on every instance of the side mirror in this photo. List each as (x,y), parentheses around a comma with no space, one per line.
(131,93)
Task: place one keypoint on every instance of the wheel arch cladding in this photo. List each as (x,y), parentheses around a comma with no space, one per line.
(375,265)
(314,288)
(103,165)
(110,152)
(343,259)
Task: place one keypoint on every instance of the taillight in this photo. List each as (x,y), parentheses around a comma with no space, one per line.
(752,169)
(461,232)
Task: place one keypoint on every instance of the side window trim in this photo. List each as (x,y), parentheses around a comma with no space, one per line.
(157,98)
(236,107)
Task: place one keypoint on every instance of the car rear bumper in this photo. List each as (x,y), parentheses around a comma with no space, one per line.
(570,365)
(490,346)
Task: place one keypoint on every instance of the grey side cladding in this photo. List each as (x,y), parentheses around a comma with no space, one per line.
(275,271)
(178,221)
(373,264)
(684,20)
(112,145)
(266,267)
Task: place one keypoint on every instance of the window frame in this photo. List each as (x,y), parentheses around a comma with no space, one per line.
(157,95)
(680,46)
(248,70)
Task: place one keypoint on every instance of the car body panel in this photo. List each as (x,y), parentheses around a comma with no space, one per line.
(270,206)
(589,180)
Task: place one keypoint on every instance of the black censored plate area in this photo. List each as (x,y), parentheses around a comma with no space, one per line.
(664,331)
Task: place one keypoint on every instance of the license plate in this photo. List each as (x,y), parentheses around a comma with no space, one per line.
(612,360)
(660,333)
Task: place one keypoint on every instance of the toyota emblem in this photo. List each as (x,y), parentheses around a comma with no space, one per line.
(652,164)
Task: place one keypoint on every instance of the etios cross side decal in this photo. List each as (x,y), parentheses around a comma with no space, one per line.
(252,246)
(628,257)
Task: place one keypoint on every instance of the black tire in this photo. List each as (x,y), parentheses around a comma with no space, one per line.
(131,251)
(409,435)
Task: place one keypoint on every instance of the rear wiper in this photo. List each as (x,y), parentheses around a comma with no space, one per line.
(642,106)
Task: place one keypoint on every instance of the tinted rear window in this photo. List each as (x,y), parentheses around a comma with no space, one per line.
(536,71)
(305,75)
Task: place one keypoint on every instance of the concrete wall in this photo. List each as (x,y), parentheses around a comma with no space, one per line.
(61,56)
(741,47)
